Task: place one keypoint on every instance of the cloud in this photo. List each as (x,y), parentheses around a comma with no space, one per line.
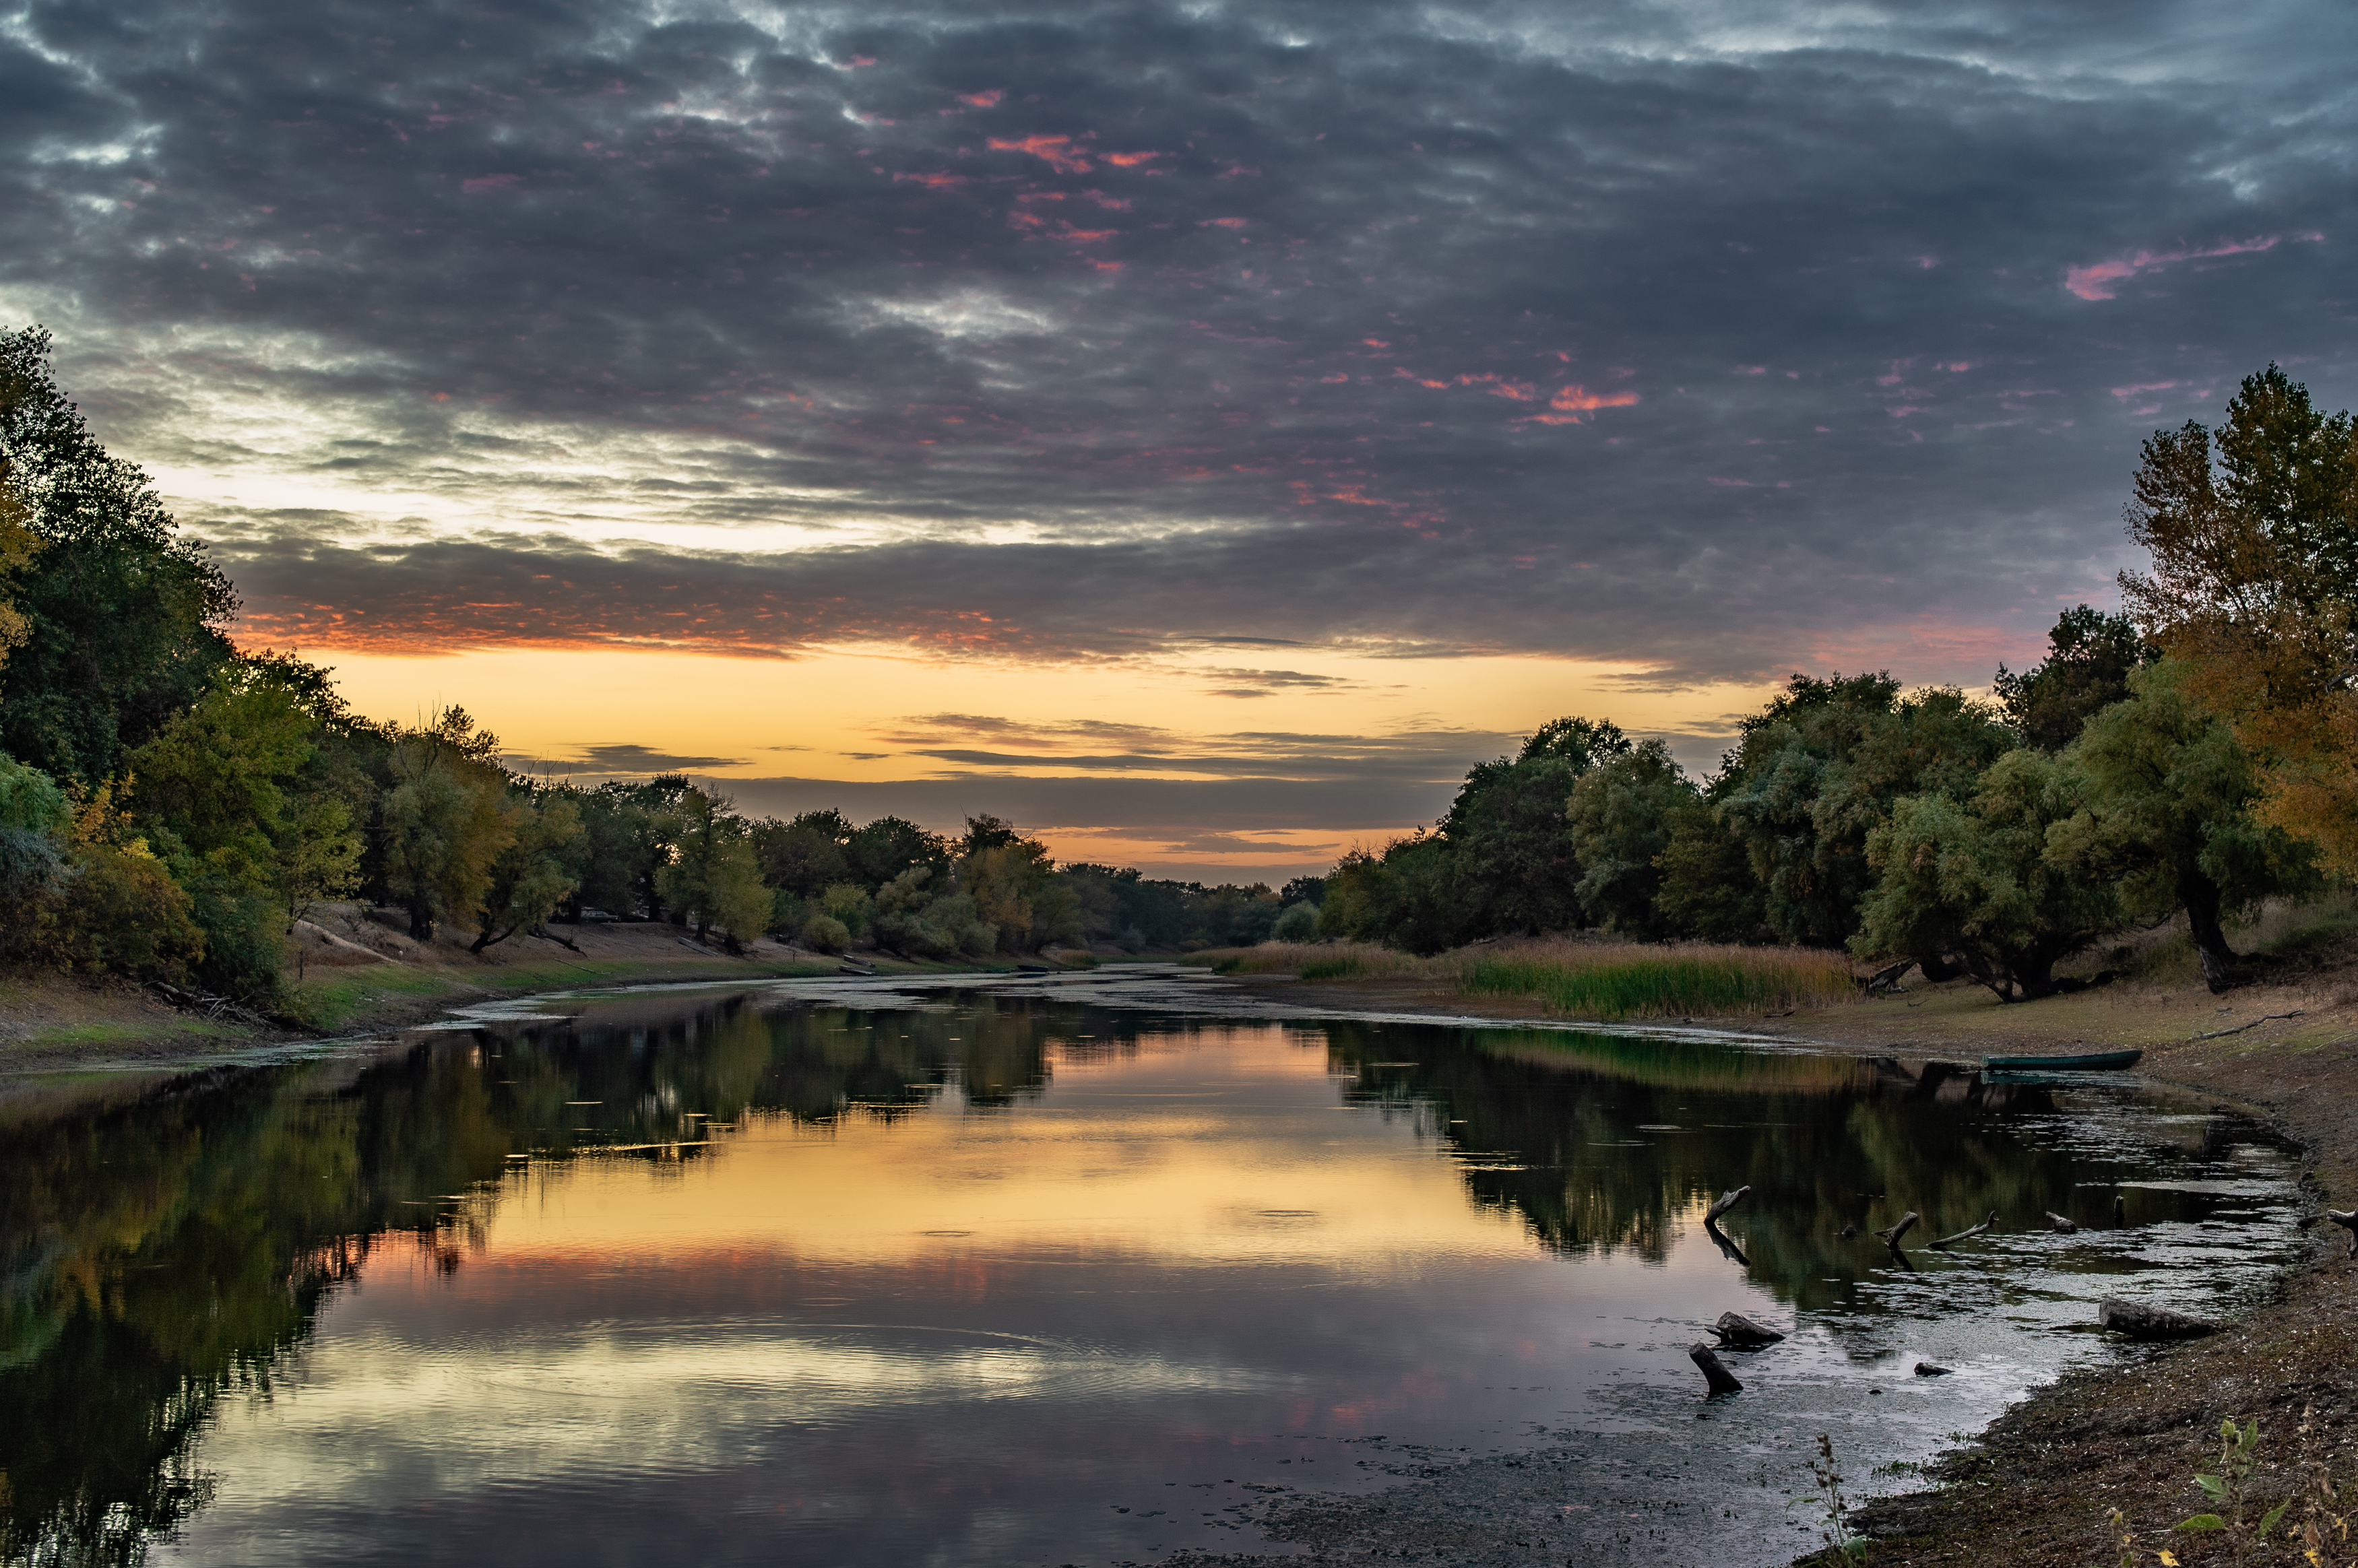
(1057,332)
(621,759)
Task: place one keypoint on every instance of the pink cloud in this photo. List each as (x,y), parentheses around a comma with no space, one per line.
(1131,160)
(1576,399)
(933,181)
(2098,280)
(484,184)
(1058,152)
(1226,222)
(988,99)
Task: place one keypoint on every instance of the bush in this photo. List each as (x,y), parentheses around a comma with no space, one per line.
(122,913)
(826,934)
(245,941)
(31,801)
(1298,922)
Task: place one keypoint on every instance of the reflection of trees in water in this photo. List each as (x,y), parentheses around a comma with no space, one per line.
(157,1254)
(1549,1128)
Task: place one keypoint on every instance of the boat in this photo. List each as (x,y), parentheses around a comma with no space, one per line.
(2086,1061)
(1033,969)
(855,969)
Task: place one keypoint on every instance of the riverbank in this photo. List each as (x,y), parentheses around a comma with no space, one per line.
(361,974)
(2040,1486)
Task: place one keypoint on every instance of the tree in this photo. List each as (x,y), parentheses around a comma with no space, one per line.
(804,855)
(1510,846)
(1010,880)
(2254,533)
(883,850)
(1621,813)
(2169,816)
(215,776)
(917,922)
(532,874)
(713,878)
(1976,877)
(1814,775)
(628,832)
(444,821)
(122,617)
(2091,657)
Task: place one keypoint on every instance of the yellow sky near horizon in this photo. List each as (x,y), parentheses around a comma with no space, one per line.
(875,717)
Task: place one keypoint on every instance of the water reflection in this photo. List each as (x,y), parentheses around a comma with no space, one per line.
(976,1279)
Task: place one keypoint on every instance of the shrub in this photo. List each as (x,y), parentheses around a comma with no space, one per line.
(1298,922)
(826,934)
(122,913)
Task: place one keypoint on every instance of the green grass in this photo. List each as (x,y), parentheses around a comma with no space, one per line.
(1670,984)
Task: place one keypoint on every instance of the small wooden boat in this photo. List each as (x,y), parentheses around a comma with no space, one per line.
(2087,1062)
(1033,969)
(855,969)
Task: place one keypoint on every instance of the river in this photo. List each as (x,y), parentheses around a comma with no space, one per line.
(1082,1269)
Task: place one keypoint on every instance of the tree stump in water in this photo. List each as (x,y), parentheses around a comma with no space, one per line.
(1740,1333)
(2151,1322)
(1891,1238)
(1727,1201)
(2062,1224)
(1721,1379)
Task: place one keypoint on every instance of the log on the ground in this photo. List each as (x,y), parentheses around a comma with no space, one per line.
(2151,1322)
(1725,1202)
(1721,1379)
(2348,1222)
(2062,1224)
(1969,1230)
(1926,1370)
(1891,1238)
(1740,1333)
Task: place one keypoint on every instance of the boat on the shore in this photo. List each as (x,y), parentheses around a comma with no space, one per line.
(2085,1062)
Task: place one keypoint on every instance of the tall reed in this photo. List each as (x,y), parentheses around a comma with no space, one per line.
(1638,982)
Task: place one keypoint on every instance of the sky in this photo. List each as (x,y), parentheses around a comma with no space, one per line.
(1196,432)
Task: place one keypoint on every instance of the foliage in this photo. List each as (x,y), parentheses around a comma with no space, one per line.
(2169,816)
(1976,877)
(120,615)
(1606,982)
(445,821)
(2087,670)
(31,801)
(918,922)
(125,916)
(531,874)
(1295,923)
(714,878)
(2254,533)
(1620,812)
(826,934)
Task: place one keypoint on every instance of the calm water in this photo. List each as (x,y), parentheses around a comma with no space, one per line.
(1054,1272)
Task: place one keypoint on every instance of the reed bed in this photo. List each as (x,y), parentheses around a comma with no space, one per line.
(1583,981)
(1580,978)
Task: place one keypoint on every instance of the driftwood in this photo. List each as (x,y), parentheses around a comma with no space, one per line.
(2222,1033)
(1886,978)
(1926,1370)
(1891,1238)
(1738,1332)
(2062,1224)
(2348,1222)
(1721,1379)
(1728,1249)
(2151,1322)
(1970,1230)
(1725,1202)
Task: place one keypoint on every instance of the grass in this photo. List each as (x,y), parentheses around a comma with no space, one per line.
(1582,978)
(1586,981)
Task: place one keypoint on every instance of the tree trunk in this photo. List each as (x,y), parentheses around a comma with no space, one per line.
(1721,1379)
(1939,967)
(2201,896)
(1741,1333)
(421,920)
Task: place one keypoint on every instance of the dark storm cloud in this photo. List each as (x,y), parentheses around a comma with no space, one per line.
(1718,338)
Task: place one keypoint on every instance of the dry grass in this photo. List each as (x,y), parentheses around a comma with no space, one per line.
(1580,978)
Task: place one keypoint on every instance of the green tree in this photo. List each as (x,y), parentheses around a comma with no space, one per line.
(2090,659)
(1508,844)
(713,878)
(122,617)
(1977,878)
(917,922)
(444,820)
(1708,888)
(1814,775)
(532,873)
(880,850)
(802,856)
(1296,923)
(1621,812)
(2169,816)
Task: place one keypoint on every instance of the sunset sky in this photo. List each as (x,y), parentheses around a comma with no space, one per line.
(1197,432)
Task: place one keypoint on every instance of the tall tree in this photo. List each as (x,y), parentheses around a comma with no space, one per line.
(122,616)
(444,820)
(2253,533)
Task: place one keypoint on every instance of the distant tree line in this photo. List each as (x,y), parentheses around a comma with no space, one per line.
(170,806)
(2192,756)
